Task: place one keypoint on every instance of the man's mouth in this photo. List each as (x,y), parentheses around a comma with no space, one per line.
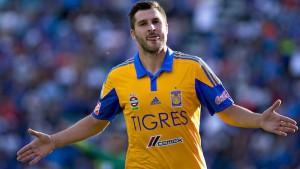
(153,37)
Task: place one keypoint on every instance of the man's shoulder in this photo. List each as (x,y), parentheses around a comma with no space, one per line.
(122,66)
(183,56)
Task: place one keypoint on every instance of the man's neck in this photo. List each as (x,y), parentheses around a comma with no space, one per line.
(152,62)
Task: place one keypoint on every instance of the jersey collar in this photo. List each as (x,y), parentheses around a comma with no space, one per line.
(166,66)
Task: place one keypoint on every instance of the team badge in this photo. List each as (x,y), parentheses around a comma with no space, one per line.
(134,102)
(97,108)
(176,98)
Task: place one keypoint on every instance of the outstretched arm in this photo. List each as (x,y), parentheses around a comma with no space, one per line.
(270,120)
(44,144)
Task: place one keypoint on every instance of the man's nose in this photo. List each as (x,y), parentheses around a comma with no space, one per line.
(151,27)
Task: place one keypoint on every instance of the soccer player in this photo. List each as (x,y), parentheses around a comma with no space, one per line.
(160,92)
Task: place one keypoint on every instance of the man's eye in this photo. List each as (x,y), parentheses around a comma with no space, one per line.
(156,21)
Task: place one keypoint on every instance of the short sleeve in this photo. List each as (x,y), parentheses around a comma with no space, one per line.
(210,91)
(108,105)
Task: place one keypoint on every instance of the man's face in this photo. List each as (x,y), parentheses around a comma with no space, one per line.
(150,30)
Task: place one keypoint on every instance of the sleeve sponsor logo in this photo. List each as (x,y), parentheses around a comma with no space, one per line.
(220,99)
(97,108)
(155,142)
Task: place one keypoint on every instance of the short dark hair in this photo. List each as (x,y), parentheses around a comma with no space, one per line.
(144,6)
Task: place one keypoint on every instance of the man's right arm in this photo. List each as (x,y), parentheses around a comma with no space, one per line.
(44,144)
(83,129)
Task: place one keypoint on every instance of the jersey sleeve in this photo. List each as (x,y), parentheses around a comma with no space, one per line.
(210,91)
(108,105)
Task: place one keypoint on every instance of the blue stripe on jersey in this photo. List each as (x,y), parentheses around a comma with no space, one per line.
(212,75)
(207,97)
(208,76)
(153,84)
(110,106)
(213,79)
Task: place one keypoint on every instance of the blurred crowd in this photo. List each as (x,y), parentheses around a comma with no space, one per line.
(54,57)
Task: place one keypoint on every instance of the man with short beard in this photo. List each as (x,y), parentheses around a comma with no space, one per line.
(160,92)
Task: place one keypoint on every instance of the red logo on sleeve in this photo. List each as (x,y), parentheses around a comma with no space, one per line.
(97,108)
(223,97)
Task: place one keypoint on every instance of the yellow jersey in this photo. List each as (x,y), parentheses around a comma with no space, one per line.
(162,111)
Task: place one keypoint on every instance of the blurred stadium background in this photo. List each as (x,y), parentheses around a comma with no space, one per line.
(54,56)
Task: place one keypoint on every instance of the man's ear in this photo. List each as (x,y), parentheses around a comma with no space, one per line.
(167,27)
(132,33)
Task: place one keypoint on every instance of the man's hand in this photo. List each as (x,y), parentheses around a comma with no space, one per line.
(276,123)
(37,149)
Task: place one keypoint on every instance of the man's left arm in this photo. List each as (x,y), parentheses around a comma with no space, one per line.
(269,120)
